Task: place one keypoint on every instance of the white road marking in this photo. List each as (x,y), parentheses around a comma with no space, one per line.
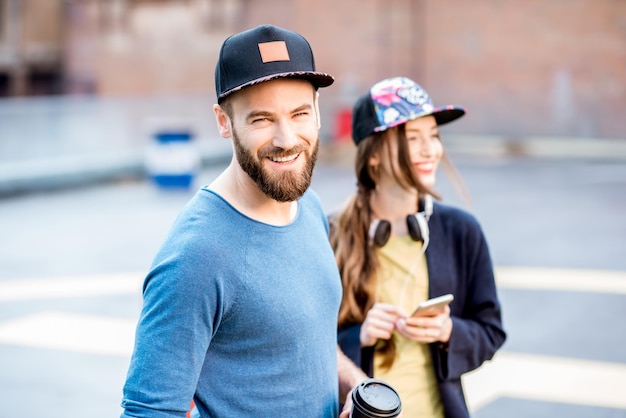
(545,378)
(70,287)
(71,332)
(594,281)
(516,375)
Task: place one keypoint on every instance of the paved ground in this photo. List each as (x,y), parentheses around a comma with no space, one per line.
(71,264)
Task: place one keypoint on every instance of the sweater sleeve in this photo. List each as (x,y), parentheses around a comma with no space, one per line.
(182,305)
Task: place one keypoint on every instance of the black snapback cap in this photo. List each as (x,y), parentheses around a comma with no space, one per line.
(264,53)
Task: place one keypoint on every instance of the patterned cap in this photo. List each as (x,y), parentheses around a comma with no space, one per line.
(392,102)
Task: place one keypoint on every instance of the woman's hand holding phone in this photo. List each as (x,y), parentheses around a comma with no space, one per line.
(427,329)
(430,322)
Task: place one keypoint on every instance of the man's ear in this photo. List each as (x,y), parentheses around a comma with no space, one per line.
(224,124)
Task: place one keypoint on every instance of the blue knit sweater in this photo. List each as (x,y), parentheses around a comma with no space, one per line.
(239,315)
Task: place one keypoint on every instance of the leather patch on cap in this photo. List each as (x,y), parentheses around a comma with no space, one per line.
(274,51)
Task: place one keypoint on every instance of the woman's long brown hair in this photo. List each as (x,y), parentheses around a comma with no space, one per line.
(349,233)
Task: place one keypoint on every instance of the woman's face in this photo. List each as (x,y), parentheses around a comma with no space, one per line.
(425,147)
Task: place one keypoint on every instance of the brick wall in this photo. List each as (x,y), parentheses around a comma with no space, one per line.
(521,67)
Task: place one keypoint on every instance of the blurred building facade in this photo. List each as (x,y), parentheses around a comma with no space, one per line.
(521,67)
(31,47)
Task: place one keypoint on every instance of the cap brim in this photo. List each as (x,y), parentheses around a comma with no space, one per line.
(447,114)
(318,80)
(443,115)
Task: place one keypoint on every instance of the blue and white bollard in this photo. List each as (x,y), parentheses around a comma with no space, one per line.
(172,159)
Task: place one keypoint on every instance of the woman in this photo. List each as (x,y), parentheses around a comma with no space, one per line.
(395,248)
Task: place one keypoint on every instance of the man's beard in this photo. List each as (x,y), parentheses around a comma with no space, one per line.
(285,186)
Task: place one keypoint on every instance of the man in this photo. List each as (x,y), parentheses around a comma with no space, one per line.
(241,302)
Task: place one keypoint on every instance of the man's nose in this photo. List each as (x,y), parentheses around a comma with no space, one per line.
(285,136)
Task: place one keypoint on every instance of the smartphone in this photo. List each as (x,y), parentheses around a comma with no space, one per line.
(433,306)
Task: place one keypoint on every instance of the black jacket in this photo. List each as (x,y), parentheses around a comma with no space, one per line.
(459,263)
